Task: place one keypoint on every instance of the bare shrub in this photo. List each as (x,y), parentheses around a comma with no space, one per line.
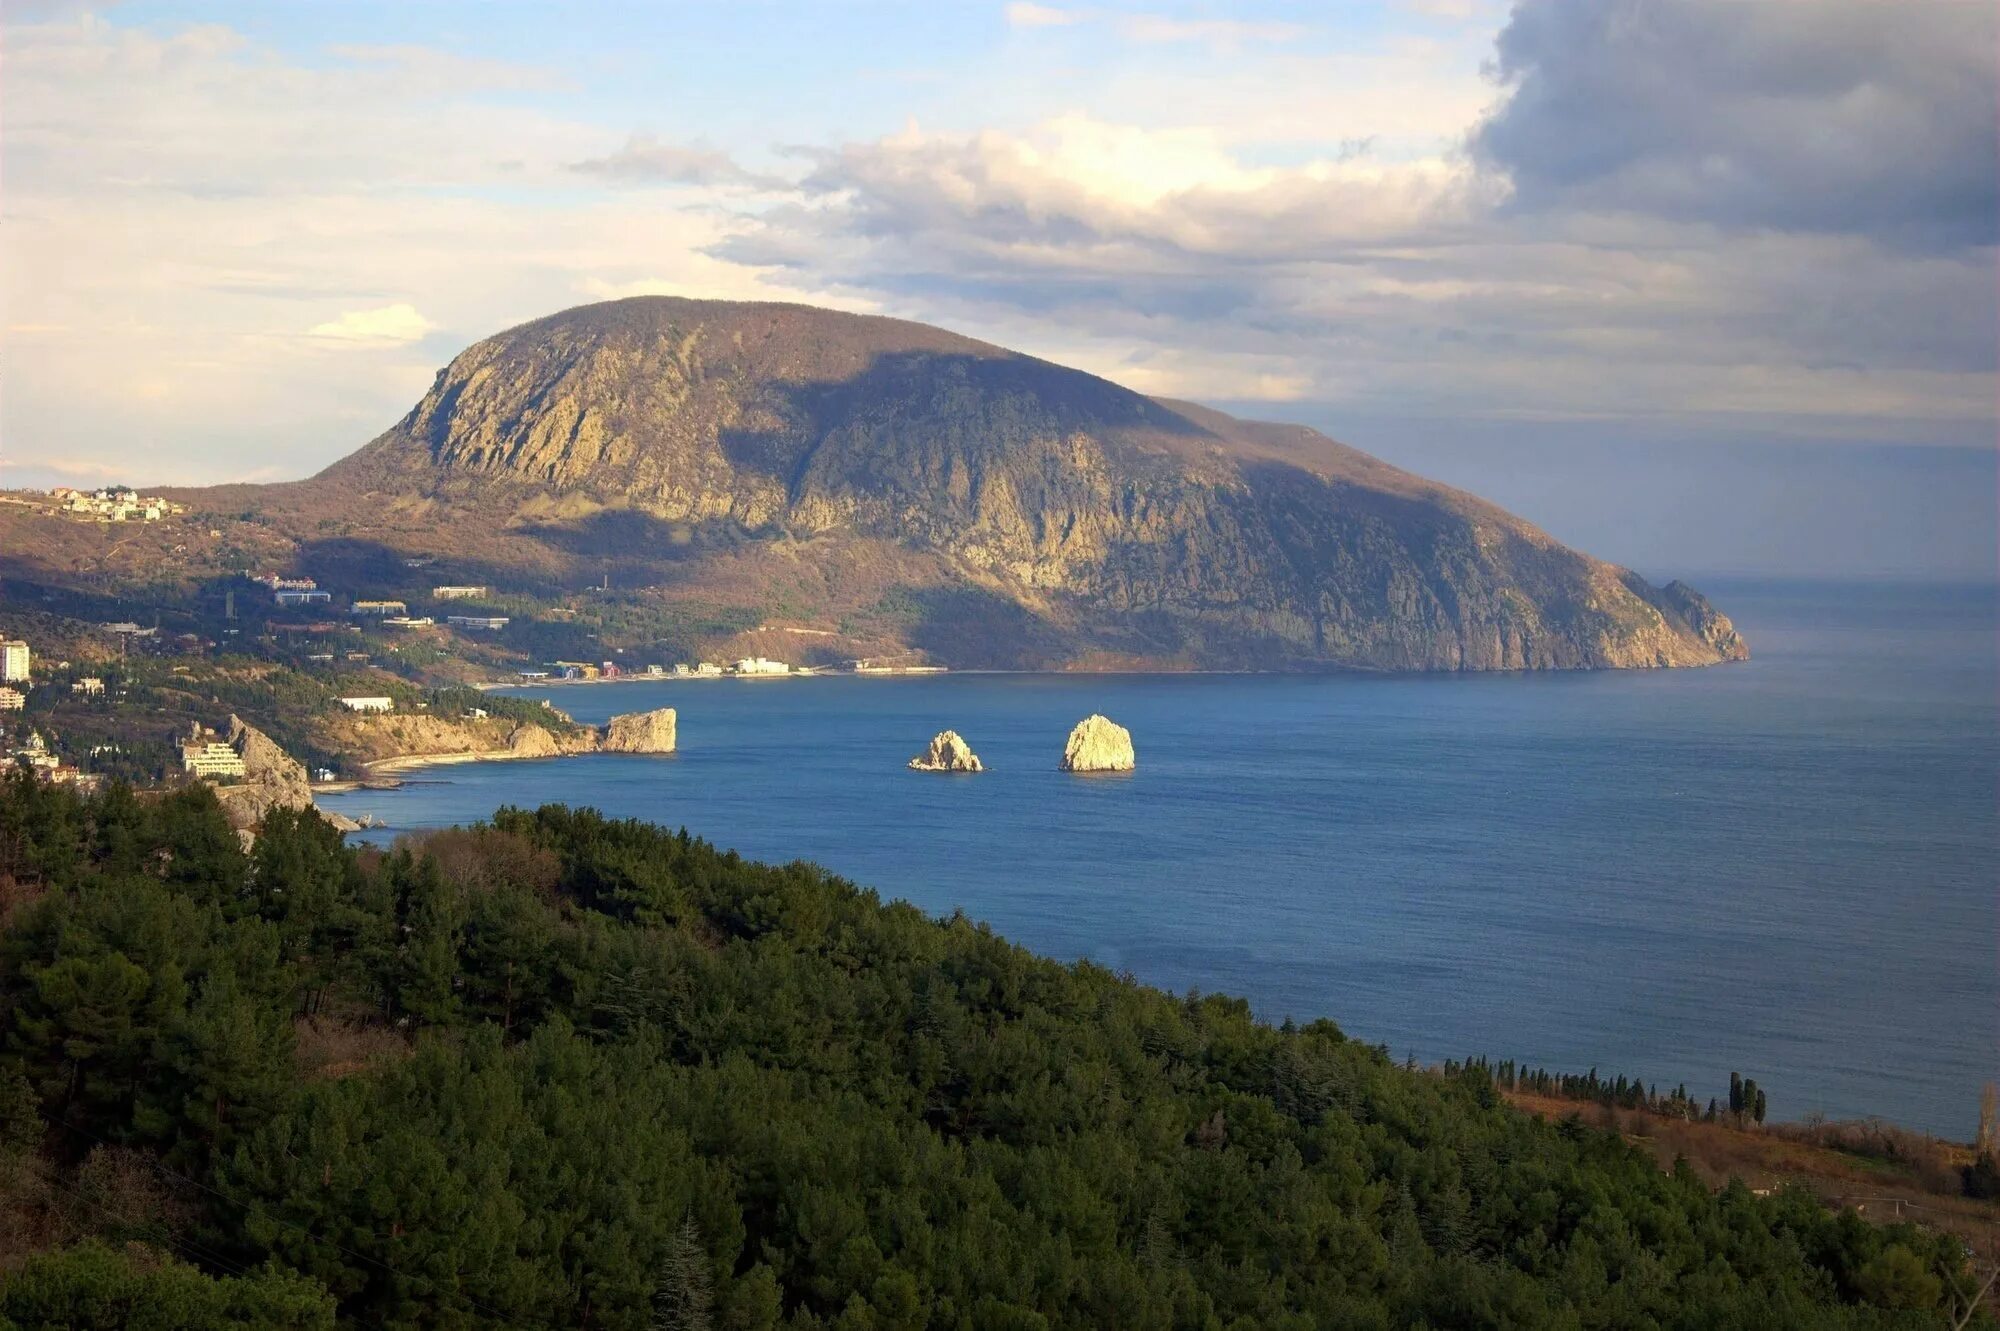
(484,859)
(328,1047)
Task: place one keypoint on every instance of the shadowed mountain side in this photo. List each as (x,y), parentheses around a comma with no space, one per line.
(1019,512)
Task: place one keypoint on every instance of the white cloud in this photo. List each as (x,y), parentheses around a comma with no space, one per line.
(1155,28)
(1025,15)
(387,324)
(1204,215)
(1226,33)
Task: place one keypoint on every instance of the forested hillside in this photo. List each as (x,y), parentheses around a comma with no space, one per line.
(564,1071)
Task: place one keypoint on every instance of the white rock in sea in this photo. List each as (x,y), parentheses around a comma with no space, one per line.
(1099,744)
(642,732)
(947,753)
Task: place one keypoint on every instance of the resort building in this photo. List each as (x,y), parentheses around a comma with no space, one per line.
(759,665)
(299,596)
(457,593)
(90,686)
(369,704)
(211,758)
(488,623)
(380,608)
(407,622)
(14,660)
(12,700)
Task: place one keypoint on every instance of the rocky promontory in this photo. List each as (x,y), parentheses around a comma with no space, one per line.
(386,743)
(1099,744)
(640,732)
(272,779)
(947,753)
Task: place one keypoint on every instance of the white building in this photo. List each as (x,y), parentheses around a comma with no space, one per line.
(457,593)
(213,758)
(14,657)
(12,700)
(381,608)
(35,753)
(759,665)
(89,685)
(299,596)
(485,622)
(369,704)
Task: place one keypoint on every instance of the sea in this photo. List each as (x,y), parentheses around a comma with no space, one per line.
(1785,868)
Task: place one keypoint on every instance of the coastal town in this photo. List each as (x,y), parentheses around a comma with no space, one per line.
(157,703)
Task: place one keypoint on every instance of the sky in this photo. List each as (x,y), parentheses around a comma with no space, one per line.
(1699,285)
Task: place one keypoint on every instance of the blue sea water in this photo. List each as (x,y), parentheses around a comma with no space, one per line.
(1786,868)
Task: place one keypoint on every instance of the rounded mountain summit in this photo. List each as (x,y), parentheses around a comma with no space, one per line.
(779,478)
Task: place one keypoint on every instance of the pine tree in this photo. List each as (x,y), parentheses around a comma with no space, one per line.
(1757,1112)
(683,1300)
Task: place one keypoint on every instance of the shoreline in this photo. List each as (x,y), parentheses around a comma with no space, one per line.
(409,762)
(492,685)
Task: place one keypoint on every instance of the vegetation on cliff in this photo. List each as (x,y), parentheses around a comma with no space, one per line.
(560,1070)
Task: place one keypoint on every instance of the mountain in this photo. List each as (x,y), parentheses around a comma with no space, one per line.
(863,485)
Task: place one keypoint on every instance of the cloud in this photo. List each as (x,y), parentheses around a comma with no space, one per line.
(1363,228)
(388,325)
(1224,33)
(1171,260)
(1847,116)
(1024,15)
(427,68)
(196,225)
(1155,28)
(646,160)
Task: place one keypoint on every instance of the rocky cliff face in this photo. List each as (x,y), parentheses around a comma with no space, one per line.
(641,732)
(272,779)
(1099,744)
(400,738)
(1023,514)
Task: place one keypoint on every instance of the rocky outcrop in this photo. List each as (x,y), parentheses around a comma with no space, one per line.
(1016,513)
(402,739)
(532,741)
(947,753)
(1707,623)
(397,741)
(640,732)
(272,779)
(1099,744)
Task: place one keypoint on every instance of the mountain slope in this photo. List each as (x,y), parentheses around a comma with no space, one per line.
(800,461)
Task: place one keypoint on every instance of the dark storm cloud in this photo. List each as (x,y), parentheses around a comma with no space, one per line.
(1866,117)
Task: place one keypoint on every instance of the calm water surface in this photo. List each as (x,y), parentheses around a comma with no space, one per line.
(1786,868)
